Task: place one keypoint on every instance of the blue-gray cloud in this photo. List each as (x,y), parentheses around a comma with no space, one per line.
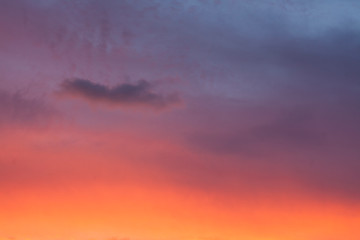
(122,95)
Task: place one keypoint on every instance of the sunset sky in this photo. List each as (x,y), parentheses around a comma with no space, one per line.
(179,120)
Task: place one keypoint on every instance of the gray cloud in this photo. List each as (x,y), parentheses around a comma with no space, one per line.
(122,95)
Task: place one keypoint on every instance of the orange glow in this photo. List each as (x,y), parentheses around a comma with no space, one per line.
(88,204)
(102,212)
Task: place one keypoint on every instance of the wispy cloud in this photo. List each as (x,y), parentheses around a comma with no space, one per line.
(15,108)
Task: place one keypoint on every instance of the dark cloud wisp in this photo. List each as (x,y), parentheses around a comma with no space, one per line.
(122,95)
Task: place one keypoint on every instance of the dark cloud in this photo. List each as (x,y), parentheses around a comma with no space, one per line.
(122,95)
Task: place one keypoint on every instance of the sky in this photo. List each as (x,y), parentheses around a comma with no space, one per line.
(179,119)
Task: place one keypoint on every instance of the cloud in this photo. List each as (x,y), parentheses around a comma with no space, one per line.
(17,109)
(275,144)
(122,95)
(292,129)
